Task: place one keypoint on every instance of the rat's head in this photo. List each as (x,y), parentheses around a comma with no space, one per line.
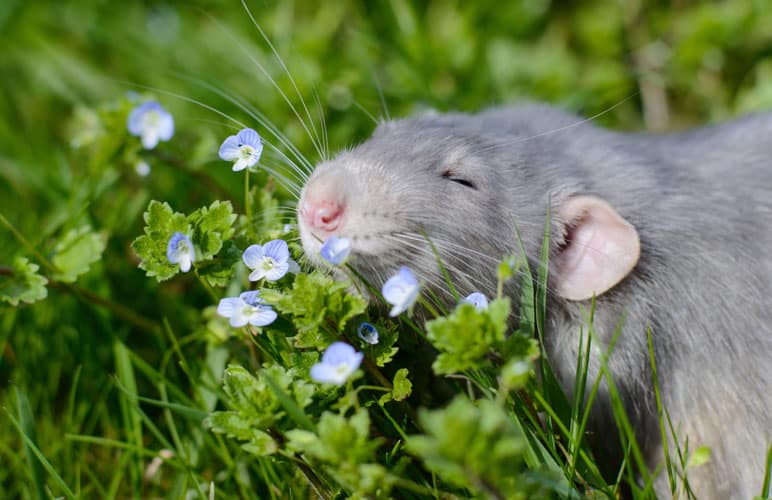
(441,187)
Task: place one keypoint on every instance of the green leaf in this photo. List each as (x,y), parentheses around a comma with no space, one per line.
(211,227)
(466,336)
(319,307)
(256,405)
(338,440)
(471,445)
(385,350)
(402,386)
(161,222)
(219,271)
(75,252)
(23,284)
(208,228)
(261,444)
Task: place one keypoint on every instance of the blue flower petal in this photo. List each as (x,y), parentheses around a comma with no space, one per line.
(401,291)
(278,250)
(335,250)
(477,299)
(338,352)
(277,272)
(230,149)
(251,297)
(264,315)
(326,374)
(151,122)
(166,127)
(253,256)
(180,251)
(228,306)
(368,333)
(249,137)
(339,362)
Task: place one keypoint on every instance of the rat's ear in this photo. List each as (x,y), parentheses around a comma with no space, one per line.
(600,249)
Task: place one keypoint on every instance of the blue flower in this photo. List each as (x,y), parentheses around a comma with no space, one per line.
(243,149)
(270,261)
(248,307)
(401,291)
(335,250)
(180,251)
(478,300)
(368,333)
(339,362)
(152,123)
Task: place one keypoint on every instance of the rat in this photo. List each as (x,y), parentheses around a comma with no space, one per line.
(670,233)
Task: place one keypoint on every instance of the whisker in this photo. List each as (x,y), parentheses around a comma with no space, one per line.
(381,96)
(364,110)
(323,122)
(256,115)
(315,138)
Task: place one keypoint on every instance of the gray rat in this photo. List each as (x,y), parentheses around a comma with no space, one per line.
(672,232)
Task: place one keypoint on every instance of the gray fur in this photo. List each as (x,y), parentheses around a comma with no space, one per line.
(702,204)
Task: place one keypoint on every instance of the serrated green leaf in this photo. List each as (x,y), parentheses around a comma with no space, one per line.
(402,386)
(319,307)
(220,270)
(261,444)
(211,227)
(470,444)
(466,336)
(230,423)
(75,252)
(384,351)
(23,284)
(338,440)
(256,404)
(161,222)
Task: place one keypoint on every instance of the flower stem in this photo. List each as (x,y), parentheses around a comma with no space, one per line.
(247,204)
(119,310)
(29,246)
(206,286)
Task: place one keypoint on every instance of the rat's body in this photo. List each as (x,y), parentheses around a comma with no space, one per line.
(696,205)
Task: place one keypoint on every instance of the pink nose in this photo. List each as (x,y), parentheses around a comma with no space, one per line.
(324,215)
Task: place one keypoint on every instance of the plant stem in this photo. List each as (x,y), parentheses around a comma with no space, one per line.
(119,310)
(206,286)
(29,246)
(247,204)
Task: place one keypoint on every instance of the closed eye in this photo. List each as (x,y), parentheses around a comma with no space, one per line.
(460,180)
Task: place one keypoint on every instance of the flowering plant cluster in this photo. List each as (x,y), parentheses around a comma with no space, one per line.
(315,334)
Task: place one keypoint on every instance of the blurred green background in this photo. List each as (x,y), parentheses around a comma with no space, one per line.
(67,66)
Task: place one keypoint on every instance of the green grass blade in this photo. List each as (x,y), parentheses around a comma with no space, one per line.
(28,428)
(660,413)
(765,488)
(32,447)
(129,402)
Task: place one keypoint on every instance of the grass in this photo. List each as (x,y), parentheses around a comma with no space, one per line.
(106,382)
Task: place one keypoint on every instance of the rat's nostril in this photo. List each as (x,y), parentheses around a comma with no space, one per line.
(324,215)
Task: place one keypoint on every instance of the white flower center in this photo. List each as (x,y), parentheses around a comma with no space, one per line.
(267,264)
(246,151)
(342,369)
(248,310)
(151,120)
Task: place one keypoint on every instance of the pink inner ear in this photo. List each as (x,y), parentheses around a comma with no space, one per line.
(602,248)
